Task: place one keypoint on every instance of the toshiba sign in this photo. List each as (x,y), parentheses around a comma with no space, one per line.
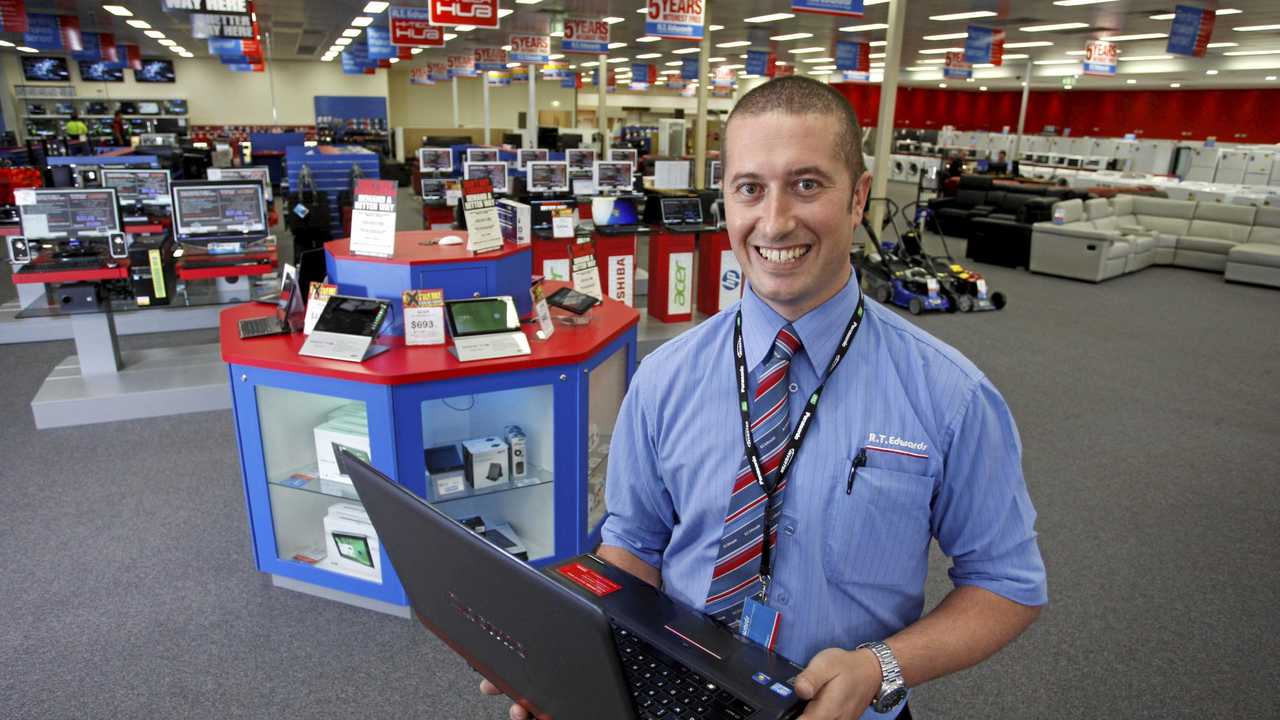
(481,13)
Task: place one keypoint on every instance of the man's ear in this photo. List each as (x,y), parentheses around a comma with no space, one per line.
(858,203)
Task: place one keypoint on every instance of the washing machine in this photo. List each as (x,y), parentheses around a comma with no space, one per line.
(1230,169)
(1203,162)
(897,168)
(1257,167)
(913,168)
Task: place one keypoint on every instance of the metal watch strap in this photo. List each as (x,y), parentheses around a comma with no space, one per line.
(892,687)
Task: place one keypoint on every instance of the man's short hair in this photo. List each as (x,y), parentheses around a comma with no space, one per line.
(796,95)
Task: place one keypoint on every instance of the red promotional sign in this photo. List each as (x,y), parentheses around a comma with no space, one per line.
(69,25)
(490,58)
(481,13)
(107,46)
(997,48)
(584,35)
(412,26)
(133,56)
(13,16)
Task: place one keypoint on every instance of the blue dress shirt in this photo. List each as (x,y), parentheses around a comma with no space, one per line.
(943,461)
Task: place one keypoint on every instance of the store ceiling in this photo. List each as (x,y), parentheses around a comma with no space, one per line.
(305,29)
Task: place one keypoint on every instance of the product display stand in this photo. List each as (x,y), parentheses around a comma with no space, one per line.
(616,261)
(670,287)
(720,278)
(446,430)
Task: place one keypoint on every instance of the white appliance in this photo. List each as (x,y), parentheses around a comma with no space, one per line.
(1203,163)
(1230,169)
(1257,167)
(671,136)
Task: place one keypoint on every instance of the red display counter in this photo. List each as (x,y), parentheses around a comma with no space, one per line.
(671,275)
(720,278)
(616,258)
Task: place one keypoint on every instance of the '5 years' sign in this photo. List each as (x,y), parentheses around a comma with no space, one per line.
(679,19)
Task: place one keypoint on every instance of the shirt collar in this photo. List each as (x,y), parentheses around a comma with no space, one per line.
(819,329)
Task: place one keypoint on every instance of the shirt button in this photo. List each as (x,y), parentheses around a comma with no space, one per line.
(793,387)
(789,529)
(782,597)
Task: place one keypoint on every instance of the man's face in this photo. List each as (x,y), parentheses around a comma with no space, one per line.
(787,198)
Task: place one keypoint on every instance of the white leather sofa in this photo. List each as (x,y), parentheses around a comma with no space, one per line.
(1077,248)
(1215,229)
(1258,260)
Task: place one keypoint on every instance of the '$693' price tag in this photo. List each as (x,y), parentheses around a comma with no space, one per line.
(423,317)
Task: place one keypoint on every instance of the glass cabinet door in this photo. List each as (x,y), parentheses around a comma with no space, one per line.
(607,384)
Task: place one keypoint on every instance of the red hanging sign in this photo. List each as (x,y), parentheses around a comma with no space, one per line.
(69,27)
(481,13)
(107,46)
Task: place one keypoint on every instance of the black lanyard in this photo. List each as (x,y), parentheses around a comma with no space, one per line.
(797,436)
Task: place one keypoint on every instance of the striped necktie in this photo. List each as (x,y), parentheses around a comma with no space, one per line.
(737,570)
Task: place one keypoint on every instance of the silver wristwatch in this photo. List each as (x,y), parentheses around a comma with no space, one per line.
(892,687)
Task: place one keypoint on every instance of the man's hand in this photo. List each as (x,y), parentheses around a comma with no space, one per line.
(839,684)
(515,711)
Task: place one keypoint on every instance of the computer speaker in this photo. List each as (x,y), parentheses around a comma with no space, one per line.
(19,249)
(116,246)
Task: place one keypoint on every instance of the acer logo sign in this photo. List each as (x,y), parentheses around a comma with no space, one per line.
(483,13)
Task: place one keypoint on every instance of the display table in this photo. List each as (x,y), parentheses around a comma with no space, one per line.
(564,397)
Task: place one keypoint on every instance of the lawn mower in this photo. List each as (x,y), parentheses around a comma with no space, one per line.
(968,287)
(889,275)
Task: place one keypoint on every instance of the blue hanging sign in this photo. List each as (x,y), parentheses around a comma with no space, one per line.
(689,70)
(92,48)
(1190,32)
(984,45)
(569,81)
(853,55)
(757,62)
(43,32)
(848,8)
(379,42)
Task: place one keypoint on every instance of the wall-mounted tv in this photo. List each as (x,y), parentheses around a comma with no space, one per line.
(155,71)
(45,69)
(97,71)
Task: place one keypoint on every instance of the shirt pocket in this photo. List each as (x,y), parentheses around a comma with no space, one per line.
(879,533)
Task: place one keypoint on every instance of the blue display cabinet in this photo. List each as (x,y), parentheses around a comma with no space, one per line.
(565,398)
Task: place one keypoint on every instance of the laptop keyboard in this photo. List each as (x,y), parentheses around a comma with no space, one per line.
(251,327)
(77,263)
(665,689)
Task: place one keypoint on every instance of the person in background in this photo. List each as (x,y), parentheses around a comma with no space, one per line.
(119,138)
(77,132)
(955,165)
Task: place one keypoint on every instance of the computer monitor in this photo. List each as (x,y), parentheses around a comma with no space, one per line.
(210,211)
(623,155)
(681,211)
(433,189)
(481,316)
(69,214)
(435,159)
(524,157)
(547,177)
(482,155)
(612,175)
(580,159)
(716,176)
(614,211)
(250,173)
(148,187)
(495,171)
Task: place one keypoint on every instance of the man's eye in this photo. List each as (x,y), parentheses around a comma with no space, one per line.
(749,189)
(807,185)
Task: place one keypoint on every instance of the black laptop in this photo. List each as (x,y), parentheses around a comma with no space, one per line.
(684,215)
(580,640)
(289,317)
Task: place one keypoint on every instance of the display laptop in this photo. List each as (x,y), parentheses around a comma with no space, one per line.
(614,215)
(581,640)
(683,215)
(485,328)
(289,317)
(346,329)
(225,215)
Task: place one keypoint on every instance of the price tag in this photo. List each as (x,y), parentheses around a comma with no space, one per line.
(317,298)
(562,223)
(546,327)
(423,317)
(586,277)
(982,289)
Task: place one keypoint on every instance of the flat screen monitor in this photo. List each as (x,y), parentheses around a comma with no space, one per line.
(97,71)
(716,175)
(433,189)
(681,211)
(547,177)
(212,211)
(435,159)
(148,108)
(249,173)
(482,155)
(45,69)
(495,171)
(155,71)
(68,213)
(623,155)
(580,158)
(175,107)
(524,157)
(482,316)
(150,187)
(613,175)
(614,211)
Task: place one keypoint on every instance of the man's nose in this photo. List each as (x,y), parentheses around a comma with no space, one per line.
(778,220)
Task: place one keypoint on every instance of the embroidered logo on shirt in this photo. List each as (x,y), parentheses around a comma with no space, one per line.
(895,444)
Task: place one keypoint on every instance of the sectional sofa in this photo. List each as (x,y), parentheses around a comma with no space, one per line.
(1099,239)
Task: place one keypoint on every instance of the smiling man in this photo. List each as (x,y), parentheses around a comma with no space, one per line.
(814,417)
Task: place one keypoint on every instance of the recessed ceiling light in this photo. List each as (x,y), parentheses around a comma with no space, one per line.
(878,43)
(153,34)
(716,59)
(791,36)
(920,69)
(591,63)
(616,45)
(461,28)
(1242,53)
(865,28)
(669,72)
(557,33)
(734,44)
(673,63)
(983,88)
(1054,27)
(875,56)
(375,7)
(942,85)
(1130,81)
(934,61)
(118,10)
(768,18)
(25,49)
(393,60)
(975,65)
(645,56)
(1161,16)
(511,65)
(825,67)
(1175,85)
(507,48)
(1223,44)
(504,12)
(803,50)
(618,59)
(1132,58)
(946,36)
(612,20)
(714,28)
(1028,44)
(648,39)
(1210,72)
(450,36)
(327,58)
(1228,11)
(418,51)
(1256,28)
(964,15)
(352,32)
(166,41)
(342,41)
(361,21)
(684,51)
(1139,36)
(940,51)
(1056,62)
(5,43)
(1074,52)
(1270,77)
(643,11)
(818,60)
(1016,56)
(140,24)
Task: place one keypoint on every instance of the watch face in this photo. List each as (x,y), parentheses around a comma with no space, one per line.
(891,699)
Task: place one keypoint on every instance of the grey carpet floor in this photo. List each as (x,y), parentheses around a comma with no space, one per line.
(1149,409)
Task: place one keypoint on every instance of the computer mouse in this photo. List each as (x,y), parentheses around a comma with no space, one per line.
(450,240)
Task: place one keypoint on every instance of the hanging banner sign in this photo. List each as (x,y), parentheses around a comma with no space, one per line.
(520,74)
(984,45)
(757,62)
(497,78)
(221,7)
(1099,58)
(847,8)
(462,66)
(643,73)
(956,68)
(13,16)
(853,55)
(91,48)
(379,40)
(583,35)
(490,58)
(412,26)
(438,72)
(723,77)
(675,82)
(570,81)
(1191,29)
(677,19)
(481,13)
(205,26)
(535,49)
(854,76)
(247,67)
(420,76)
(43,32)
(70,27)
(689,70)
(107,47)
(555,70)
(133,56)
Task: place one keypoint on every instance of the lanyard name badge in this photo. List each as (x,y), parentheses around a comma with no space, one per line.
(759,622)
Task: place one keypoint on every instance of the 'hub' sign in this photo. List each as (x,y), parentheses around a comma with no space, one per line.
(481,13)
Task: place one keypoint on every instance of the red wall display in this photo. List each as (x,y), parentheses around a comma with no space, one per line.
(1229,115)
